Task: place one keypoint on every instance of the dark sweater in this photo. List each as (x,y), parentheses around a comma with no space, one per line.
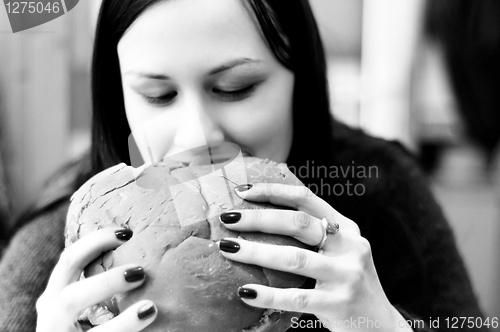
(413,246)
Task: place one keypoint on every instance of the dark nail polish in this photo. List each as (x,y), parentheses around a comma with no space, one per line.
(230,217)
(135,274)
(229,246)
(124,234)
(146,311)
(243,187)
(247,293)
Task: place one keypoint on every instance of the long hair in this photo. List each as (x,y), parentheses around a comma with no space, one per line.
(290,31)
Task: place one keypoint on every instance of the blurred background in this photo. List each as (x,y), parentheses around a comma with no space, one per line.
(392,70)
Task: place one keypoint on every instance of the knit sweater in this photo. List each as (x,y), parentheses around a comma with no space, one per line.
(413,247)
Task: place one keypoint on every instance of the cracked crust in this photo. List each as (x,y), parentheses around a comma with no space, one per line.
(193,286)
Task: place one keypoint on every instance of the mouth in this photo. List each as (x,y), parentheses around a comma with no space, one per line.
(205,155)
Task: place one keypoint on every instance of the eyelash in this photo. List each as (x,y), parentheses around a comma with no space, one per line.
(235,95)
(161,100)
(228,96)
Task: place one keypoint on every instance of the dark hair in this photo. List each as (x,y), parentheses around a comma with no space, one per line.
(469,34)
(291,32)
(301,52)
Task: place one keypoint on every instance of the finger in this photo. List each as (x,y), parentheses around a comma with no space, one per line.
(297,224)
(80,295)
(298,197)
(283,258)
(135,318)
(288,299)
(74,259)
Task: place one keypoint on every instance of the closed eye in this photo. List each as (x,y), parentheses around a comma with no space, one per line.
(234,95)
(161,100)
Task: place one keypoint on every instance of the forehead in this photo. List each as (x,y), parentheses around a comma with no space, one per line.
(195,32)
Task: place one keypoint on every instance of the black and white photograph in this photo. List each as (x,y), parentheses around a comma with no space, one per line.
(249,165)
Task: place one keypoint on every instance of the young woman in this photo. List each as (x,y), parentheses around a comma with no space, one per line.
(251,72)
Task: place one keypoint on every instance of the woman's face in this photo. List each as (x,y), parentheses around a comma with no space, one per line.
(197,72)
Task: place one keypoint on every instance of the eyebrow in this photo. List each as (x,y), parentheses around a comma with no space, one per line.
(220,69)
(234,63)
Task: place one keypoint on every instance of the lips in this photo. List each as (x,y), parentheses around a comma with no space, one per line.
(215,153)
(218,155)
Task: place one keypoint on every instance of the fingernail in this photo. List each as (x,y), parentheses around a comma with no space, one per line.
(243,187)
(135,274)
(247,293)
(229,246)
(146,311)
(230,217)
(124,234)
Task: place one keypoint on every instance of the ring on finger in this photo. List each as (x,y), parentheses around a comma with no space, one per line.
(330,227)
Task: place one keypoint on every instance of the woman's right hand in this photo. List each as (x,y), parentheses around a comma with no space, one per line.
(65,297)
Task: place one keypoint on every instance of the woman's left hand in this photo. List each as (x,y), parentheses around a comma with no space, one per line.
(347,290)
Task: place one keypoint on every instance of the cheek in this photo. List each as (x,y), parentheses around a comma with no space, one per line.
(152,131)
(265,122)
(133,109)
(273,112)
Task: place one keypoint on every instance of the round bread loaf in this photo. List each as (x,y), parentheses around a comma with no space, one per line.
(176,228)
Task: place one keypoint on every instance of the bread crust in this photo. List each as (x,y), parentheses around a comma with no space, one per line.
(192,284)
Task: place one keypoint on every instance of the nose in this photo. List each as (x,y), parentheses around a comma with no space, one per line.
(189,125)
(197,126)
(212,129)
